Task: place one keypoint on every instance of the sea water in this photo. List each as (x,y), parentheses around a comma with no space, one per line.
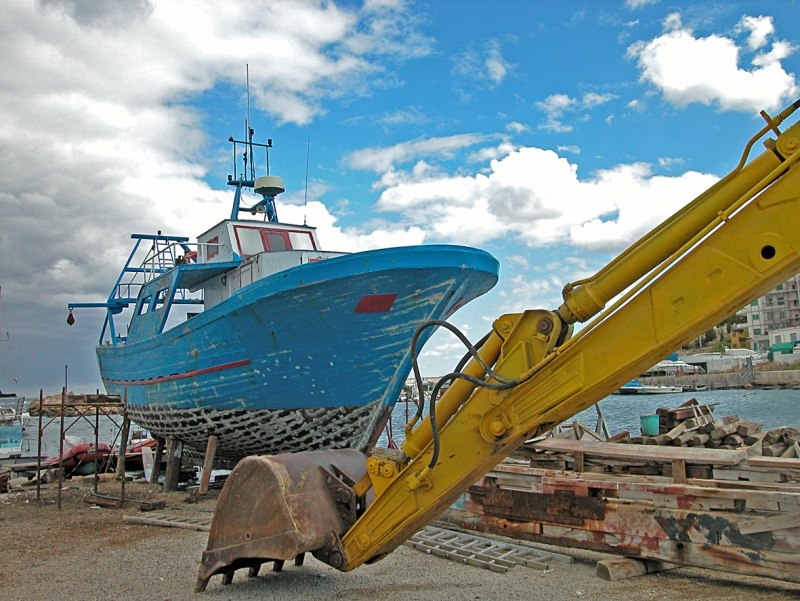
(82,428)
(772,408)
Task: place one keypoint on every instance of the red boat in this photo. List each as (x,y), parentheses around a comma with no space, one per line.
(81,457)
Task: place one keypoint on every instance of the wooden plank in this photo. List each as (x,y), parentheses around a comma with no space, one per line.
(679,471)
(628,567)
(579,461)
(774,462)
(769,524)
(746,491)
(644,452)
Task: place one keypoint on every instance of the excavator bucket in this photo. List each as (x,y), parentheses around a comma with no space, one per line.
(279,507)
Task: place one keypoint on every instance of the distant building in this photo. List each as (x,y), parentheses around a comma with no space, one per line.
(778,309)
(781,335)
(732,359)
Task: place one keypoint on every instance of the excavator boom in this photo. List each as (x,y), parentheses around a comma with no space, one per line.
(729,246)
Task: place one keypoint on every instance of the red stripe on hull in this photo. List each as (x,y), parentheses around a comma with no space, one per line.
(188,374)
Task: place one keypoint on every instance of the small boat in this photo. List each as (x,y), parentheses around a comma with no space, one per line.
(79,457)
(256,334)
(660,389)
(632,387)
(11,440)
(10,417)
(16,446)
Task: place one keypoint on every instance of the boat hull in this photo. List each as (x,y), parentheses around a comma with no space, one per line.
(313,357)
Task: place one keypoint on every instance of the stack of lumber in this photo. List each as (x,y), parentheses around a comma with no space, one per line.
(719,508)
(695,425)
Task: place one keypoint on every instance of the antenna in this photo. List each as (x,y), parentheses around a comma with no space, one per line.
(248,131)
(305,196)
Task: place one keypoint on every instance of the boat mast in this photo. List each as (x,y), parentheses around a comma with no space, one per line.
(269,186)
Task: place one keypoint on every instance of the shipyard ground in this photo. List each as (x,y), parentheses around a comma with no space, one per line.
(85,552)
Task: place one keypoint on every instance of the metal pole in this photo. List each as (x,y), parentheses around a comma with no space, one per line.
(123,444)
(61,447)
(39,450)
(96,444)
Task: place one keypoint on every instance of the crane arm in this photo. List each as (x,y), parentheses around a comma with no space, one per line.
(734,243)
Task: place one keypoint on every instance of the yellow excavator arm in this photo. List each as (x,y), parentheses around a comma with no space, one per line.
(732,244)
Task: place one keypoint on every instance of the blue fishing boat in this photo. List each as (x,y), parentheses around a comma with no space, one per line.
(255,334)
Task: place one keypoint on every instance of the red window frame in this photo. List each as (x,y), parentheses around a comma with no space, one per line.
(265,239)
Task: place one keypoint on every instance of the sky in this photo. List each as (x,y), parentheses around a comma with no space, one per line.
(551,134)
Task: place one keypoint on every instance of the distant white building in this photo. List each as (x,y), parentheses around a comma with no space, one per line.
(672,368)
(732,359)
(778,309)
(782,335)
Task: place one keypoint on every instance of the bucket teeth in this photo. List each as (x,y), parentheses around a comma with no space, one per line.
(277,508)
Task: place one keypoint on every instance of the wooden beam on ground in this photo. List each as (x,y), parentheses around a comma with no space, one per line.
(620,568)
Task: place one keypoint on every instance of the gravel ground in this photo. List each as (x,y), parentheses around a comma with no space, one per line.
(86,553)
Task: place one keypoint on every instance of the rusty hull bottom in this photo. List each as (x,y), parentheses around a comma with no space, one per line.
(243,433)
(277,508)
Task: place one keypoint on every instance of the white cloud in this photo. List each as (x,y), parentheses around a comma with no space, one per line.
(668,162)
(411,115)
(488,65)
(636,105)
(556,105)
(335,238)
(634,4)
(536,196)
(760,29)
(517,127)
(98,140)
(382,159)
(572,149)
(687,69)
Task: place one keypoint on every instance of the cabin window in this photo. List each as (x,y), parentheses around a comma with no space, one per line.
(161,298)
(301,240)
(144,305)
(250,242)
(255,240)
(212,250)
(276,241)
